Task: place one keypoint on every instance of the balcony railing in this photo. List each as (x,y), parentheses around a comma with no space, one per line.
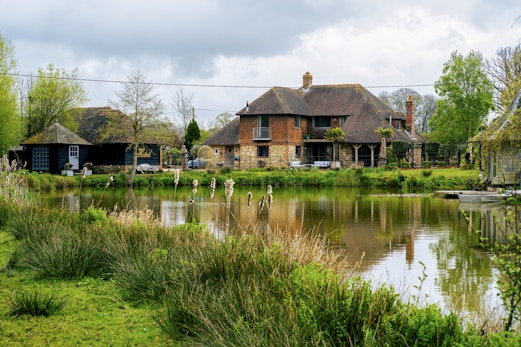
(261,133)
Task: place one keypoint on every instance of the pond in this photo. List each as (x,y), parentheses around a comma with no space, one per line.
(420,244)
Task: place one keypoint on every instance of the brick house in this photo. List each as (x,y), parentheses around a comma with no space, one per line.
(286,126)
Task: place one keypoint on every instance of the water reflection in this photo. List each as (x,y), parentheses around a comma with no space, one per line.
(419,244)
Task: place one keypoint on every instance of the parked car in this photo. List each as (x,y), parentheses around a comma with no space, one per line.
(142,168)
(195,164)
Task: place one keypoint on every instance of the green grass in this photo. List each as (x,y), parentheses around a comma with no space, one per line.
(94,315)
(167,286)
(405,179)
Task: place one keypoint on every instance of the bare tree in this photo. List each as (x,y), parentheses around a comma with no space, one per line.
(424,111)
(183,106)
(505,72)
(143,109)
(397,98)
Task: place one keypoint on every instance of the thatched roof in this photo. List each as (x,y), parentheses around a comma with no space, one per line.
(364,111)
(56,134)
(227,136)
(94,119)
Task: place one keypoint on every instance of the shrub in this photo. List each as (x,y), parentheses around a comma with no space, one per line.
(35,303)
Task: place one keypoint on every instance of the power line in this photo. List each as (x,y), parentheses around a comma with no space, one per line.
(201,85)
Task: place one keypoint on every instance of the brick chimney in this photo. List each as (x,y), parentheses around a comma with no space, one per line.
(409,116)
(307,80)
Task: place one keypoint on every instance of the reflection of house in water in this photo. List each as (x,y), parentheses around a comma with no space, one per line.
(365,227)
(494,224)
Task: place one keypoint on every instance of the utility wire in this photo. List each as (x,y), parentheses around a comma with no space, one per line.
(194,85)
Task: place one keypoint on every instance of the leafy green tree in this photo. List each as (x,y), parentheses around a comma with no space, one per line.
(335,135)
(466,98)
(223,119)
(9,116)
(52,98)
(143,109)
(193,134)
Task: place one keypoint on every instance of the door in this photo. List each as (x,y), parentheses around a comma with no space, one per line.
(229,157)
(74,156)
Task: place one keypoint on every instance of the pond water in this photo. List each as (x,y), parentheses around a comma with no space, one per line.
(422,245)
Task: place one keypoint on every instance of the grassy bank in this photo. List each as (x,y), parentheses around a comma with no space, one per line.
(404,179)
(129,281)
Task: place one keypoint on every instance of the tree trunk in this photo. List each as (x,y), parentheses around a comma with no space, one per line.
(134,165)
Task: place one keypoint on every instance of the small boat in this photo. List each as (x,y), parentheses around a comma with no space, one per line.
(469,197)
(482,197)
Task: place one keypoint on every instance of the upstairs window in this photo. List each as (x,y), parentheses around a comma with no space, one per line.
(322,122)
(297,121)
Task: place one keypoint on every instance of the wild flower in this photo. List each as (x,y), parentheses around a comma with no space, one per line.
(111,179)
(229,188)
(261,203)
(176,177)
(269,193)
(11,180)
(249,198)
(212,187)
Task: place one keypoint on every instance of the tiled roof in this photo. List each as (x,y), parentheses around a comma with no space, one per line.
(227,136)
(56,134)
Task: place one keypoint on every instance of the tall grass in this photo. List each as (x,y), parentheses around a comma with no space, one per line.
(35,303)
(261,287)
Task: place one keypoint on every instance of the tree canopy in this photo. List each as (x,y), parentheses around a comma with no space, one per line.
(52,97)
(466,98)
(9,116)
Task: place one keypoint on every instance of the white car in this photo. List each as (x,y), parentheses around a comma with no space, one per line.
(142,168)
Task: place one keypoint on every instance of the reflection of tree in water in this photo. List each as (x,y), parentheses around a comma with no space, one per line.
(465,273)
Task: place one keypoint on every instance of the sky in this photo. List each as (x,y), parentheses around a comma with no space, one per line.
(224,53)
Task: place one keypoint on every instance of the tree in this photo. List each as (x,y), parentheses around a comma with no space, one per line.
(193,134)
(223,119)
(396,100)
(505,72)
(183,106)
(466,98)
(9,116)
(334,135)
(52,98)
(425,105)
(424,112)
(143,109)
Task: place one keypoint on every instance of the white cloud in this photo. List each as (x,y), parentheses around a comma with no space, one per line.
(253,43)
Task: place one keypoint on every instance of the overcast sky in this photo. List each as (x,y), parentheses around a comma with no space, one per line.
(194,44)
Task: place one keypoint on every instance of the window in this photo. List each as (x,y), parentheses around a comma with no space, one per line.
(298,151)
(263,121)
(262,151)
(322,122)
(342,121)
(41,158)
(297,121)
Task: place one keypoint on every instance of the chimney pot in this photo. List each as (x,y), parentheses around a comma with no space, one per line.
(409,116)
(307,80)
